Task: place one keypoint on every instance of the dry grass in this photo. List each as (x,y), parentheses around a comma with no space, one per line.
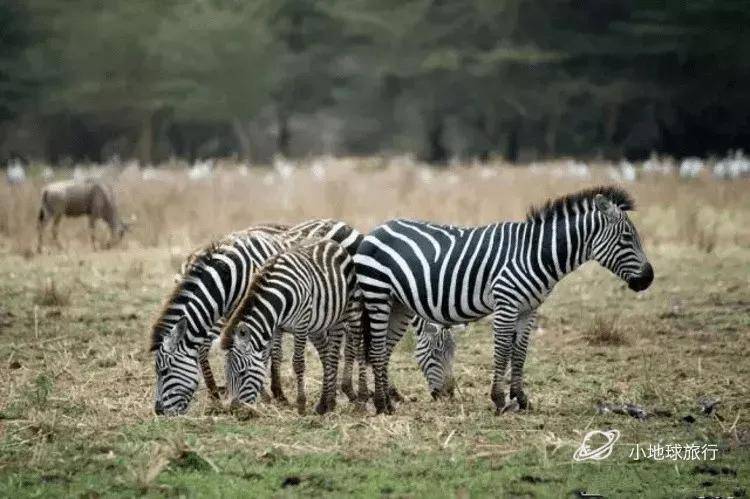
(50,294)
(605,331)
(77,393)
(174,211)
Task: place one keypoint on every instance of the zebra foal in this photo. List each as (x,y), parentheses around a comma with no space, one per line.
(306,290)
(453,275)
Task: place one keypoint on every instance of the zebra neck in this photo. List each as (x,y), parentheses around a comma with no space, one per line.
(571,234)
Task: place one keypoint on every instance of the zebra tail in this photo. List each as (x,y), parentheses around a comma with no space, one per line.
(366,332)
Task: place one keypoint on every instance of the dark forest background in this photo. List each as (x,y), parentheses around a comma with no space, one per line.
(89,79)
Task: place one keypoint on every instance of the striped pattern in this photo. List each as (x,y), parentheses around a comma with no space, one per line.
(306,290)
(214,280)
(453,275)
(435,349)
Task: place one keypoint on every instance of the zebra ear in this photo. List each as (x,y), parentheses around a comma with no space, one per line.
(176,335)
(607,207)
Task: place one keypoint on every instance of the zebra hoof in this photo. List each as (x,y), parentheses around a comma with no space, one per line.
(364,396)
(301,406)
(349,392)
(281,399)
(393,394)
(521,399)
(382,405)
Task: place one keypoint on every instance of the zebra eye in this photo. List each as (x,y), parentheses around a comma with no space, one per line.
(627,238)
(163,371)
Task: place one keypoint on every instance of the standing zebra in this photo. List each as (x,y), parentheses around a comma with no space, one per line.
(453,275)
(306,290)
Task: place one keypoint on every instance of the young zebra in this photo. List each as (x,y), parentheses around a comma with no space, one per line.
(306,290)
(215,279)
(435,349)
(455,275)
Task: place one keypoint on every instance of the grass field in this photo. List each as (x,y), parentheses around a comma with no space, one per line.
(76,394)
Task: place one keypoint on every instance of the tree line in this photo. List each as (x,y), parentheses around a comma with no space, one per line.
(88,80)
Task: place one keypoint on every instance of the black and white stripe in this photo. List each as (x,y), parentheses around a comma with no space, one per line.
(307,290)
(454,275)
(213,282)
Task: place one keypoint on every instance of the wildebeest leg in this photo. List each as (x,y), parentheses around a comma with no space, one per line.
(92,231)
(40,226)
(55,226)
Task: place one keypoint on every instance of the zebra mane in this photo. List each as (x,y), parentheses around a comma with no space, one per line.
(546,211)
(206,252)
(227,334)
(157,331)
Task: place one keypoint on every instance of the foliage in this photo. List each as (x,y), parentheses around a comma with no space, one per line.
(471,79)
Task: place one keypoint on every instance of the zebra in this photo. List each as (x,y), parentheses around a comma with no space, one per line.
(307,290)
(211,282)
(214,332)
(453,275)
(215,279)
(434,352)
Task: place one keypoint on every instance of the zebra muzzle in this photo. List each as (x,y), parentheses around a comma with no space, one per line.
(643,280)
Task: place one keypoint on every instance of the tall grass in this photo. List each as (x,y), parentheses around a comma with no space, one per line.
(176,212)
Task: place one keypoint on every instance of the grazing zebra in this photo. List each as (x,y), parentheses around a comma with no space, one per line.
(306,290)
(455,275)
(215,331)
(436,347)
(214,281)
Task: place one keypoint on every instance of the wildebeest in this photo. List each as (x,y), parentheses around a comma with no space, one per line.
(72,198)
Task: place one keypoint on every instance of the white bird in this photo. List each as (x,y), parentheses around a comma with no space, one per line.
(691,167)
(283,167)
(15,173)
(627,170)
(577,169)
(318,170)
(48,173)
(79,174)
(201,170)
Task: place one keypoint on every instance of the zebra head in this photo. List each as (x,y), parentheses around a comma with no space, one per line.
(177,372)
(436,346)
(245,366)
(617,246)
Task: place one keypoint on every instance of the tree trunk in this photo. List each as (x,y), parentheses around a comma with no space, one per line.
(550,135)
(284,136)
(145,145)
(513,146)
(437,153)
(242,134)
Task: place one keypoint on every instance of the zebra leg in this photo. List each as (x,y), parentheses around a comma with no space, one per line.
(331,351)
(208,375)
(352,344)
(378,311)
(518,357)
(298,363)
(503,326)
(277,356)
(396,328)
